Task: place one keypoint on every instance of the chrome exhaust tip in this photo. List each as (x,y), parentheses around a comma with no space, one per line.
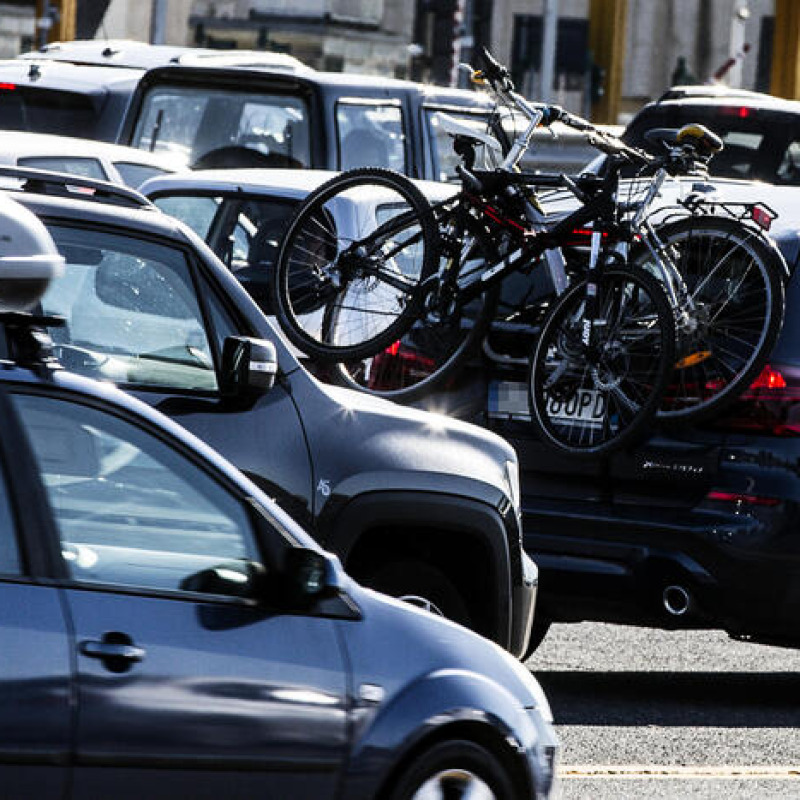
(677,600)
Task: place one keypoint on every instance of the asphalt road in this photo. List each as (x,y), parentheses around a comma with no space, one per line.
(645,713)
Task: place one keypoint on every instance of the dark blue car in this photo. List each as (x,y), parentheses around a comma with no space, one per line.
(166,631)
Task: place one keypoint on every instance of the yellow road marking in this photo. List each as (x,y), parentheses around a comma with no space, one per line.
(679,771)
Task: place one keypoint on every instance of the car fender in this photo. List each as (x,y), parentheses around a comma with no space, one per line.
(446,702)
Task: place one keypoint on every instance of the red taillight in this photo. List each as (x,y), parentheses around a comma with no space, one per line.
(397,367)
(7,87)
(736,111)
(768,379)
(771,405)
(742,499)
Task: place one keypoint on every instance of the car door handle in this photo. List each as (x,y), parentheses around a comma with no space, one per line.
(116,650)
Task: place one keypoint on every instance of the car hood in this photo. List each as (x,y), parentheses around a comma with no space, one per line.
(398,447)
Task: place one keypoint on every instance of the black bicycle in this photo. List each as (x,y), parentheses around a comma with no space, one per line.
(665,309)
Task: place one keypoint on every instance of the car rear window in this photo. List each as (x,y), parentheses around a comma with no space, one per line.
(24,108)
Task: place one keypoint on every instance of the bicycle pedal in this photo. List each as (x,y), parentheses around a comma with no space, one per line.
(693,359)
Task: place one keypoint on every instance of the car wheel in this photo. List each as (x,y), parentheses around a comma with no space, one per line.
(456,770)
(424,586)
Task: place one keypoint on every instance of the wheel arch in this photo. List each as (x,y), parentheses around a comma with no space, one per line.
(465,538)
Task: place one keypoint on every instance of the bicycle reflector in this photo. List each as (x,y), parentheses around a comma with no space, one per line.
(29,259)
(762,216)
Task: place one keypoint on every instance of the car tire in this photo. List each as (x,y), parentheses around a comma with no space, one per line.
(422,585)
(455,769)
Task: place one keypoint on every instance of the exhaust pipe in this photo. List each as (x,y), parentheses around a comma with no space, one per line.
(677,600)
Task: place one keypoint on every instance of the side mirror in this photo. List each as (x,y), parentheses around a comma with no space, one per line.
(230,579)
(249,366)
(306,577)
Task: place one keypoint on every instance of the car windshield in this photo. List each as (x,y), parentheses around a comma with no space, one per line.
(207,128)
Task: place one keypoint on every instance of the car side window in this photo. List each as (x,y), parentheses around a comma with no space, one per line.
(129,509)
(370,135)
(10,562)
(197,212)
(789,169)
(132,312)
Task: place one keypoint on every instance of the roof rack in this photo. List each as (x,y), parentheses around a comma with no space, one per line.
(41,181)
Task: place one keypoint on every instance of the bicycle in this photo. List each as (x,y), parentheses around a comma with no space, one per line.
(613,334)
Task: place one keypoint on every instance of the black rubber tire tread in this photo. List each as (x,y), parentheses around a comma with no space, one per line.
(326,352)
(455,754)
(409,577)
(640,423)
(773,270)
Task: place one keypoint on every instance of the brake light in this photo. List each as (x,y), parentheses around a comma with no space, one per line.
(762,216)
(770,406)
(398,366)
(736,111)
(742,499)
(7,87)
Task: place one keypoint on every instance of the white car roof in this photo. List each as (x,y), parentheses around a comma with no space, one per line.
(288,183)
(23,144)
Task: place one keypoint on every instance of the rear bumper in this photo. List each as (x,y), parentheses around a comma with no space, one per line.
(672,570)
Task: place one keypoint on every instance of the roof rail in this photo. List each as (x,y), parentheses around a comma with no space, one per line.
(41,181)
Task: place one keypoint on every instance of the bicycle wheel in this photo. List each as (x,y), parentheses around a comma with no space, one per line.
(735,278)
(358,248)
(591,400)
(436,345)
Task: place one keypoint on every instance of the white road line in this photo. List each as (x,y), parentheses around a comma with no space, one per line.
(777,772)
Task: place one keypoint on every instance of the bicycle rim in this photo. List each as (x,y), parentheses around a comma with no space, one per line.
(735,281)
(589,402)
(432,351)
(357,251)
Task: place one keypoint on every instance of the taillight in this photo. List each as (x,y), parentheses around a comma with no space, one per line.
(770,406)
(398,366)
(741,499)
(736,111)
(7,87)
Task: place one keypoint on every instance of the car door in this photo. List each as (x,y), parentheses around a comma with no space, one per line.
(35,666)
(185,687)
(140,313)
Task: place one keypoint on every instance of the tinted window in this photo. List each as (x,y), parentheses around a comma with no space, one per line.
(132,312)
(192,123)
(370,135)
(74,165)
(129,509)
(136,174)
(47,111)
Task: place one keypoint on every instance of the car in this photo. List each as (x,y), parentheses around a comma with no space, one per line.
(243,115)
(761,133)
(101,161)
(415,505)
(692,528)
(82,88)
(175,633)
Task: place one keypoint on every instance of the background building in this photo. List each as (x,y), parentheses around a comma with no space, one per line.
(610,55)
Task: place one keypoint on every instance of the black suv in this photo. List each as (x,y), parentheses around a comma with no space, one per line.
(414,504)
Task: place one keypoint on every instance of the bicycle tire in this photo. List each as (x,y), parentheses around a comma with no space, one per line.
(623,378)
(432,351)
(363,242)
(736,278)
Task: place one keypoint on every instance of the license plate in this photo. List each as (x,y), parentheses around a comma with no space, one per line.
(586,406)
(509,400)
